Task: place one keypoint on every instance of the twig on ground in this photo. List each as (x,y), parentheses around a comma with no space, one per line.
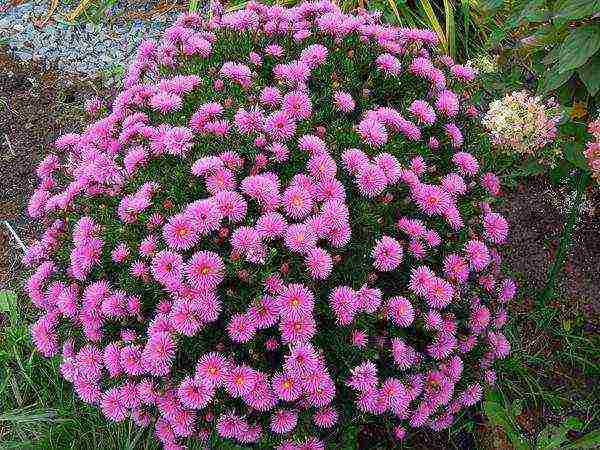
(51,10)
(15,236)
(9,145)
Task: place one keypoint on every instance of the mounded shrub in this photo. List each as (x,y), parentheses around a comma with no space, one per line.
(279,231)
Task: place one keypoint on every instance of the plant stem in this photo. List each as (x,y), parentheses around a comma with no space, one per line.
(565,240)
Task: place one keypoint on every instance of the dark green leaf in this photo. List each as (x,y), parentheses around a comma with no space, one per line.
(578,9)
(579,45)
(552,436)
(553,80)
(500,417)
(573,152)
(590,74)
(552,56)
(590,440)
(487,5)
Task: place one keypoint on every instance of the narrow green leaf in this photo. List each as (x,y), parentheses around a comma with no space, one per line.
(590,74)
(450,27)
(579,45)
(7,300)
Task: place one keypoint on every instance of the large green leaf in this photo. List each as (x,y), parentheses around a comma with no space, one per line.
(578,9)
(501,418)
(590,74)
(553,79)
(490,4)
(573,152)
(532,11)
(579,45)
(552,437)
(590,440)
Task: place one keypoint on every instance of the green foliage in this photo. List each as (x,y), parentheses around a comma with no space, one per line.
(504,415)
(559,40)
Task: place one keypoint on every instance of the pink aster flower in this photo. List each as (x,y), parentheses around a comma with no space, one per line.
(400,311)
(454,184)
(447,103)
(231,205)
(466,163)
(286,387)
(205,270)
(438,293)
(456,268)
(387,254)
(404,355)
(344,302)
(363,377)
(359,338)
(389,64)
(300,238)
(371,180)
(343,101)
(240,380)
(280,126)
(212,367)
(148,246)
(297,202)
(179,233)
(478,254)
(496,228)
(283,421)
(264,312)
(322,167)
(165,102)
(368,299)
(120,253)
(354,160)
(491,182)
(297,104)
(319,263)
(325,417)
(508,289)
(296,330)
(195,393)
(270,96)
(423,112)
(167,268)
(112,405)
(241,328)
(420,279)
(205,215)
(433,200)
(372,132)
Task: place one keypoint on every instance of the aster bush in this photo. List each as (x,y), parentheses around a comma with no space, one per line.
(282,227)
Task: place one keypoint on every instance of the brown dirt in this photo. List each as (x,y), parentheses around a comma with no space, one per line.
(536,212)
(36,106)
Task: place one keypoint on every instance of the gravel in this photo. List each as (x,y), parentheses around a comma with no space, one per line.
(86,49)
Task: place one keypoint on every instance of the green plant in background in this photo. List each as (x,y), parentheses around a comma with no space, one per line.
(558,40)
(504,415)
